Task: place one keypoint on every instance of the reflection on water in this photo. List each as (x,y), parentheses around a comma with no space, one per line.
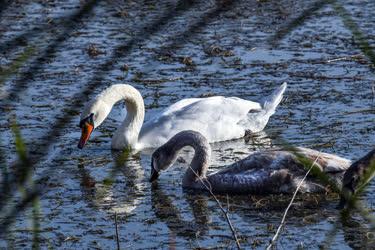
(84,188)
(102,195)
(165,211)
(357,233)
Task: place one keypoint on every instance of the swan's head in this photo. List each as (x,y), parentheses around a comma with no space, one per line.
(92,116)
(161,159)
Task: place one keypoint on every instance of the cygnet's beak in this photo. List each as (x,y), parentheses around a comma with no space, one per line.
(87,129)
(154,173)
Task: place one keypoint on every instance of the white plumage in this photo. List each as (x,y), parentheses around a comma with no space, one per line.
(218,118)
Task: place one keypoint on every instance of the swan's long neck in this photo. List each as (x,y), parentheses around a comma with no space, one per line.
(127,133)
(201,160)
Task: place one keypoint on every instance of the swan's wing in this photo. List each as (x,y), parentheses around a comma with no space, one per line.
(204,104)
(261,172)
(269,160)
(276,171)
(173,108)
(329,163)
(215,117)
(179,105)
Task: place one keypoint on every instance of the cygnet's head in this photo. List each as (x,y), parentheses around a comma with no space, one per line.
(161,159)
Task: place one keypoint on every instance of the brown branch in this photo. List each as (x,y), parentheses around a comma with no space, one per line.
(117,237)
(275,237)
(209,189)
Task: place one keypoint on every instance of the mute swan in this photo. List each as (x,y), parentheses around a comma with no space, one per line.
(218,118)
(270,171)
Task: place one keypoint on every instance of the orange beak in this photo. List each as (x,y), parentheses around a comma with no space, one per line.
(87,129)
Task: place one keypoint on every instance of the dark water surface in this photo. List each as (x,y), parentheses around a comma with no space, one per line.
(199,50)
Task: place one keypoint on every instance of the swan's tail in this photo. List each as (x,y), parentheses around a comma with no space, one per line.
(271,102)
(256,122)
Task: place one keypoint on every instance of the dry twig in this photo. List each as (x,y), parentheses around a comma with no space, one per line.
(344,58)
(274,239)
(117,238)
(209,189)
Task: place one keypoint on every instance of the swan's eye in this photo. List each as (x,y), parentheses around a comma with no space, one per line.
(81,123)
(91,118)
(88,119)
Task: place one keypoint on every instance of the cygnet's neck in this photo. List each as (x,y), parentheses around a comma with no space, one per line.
(127,133)
(201,160)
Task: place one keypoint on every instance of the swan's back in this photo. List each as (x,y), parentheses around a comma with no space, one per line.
(277,171)
(217,118)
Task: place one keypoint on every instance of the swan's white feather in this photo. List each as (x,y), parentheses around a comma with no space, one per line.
(217,118)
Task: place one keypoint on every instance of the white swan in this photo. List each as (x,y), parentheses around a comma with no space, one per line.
(218,118)
(270,171)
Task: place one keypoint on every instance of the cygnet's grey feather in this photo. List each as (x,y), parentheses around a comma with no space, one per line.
(270,171)
(273,171)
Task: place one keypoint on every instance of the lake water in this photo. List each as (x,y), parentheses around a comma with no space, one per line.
(328,106)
